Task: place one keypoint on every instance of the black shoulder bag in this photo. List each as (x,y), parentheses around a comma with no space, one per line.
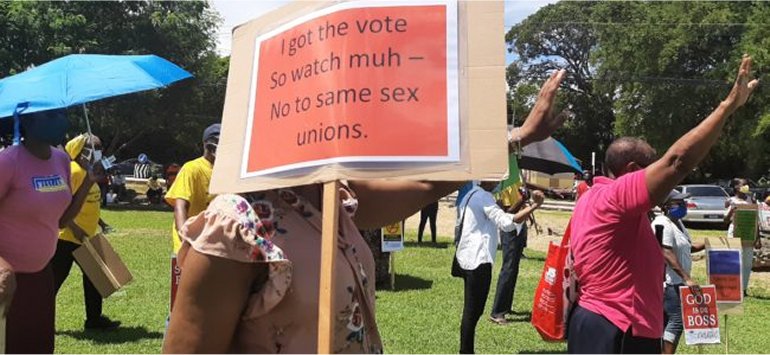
(457,271)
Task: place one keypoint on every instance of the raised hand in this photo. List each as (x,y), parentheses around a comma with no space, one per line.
(744,86)
(538,197)
(542,122)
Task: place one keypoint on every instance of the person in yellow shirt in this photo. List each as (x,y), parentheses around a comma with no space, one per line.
(84,150)
(189,195)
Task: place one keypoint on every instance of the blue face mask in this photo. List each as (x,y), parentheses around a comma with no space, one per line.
(50,128)
(677,212)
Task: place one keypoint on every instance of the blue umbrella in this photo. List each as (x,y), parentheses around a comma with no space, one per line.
(80,78)
(549,156)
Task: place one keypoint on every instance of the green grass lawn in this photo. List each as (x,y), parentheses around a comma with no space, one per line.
(422,315)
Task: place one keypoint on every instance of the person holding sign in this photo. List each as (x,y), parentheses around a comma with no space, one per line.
(618,262)
(677,246)
(235,297)
(742,198)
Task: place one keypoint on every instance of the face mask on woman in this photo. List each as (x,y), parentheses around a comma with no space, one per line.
(677,212)
(350,205)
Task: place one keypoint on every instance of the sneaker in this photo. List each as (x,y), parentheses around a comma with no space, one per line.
(499,320)
(102,323)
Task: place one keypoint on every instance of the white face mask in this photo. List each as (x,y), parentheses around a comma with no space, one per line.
(350,205)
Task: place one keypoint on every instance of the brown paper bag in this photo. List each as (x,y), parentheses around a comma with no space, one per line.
(102,265)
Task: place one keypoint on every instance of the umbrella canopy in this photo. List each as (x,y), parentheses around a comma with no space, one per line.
(549,156)
(81,78)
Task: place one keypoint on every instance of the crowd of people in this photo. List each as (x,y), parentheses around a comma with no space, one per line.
(628,281)
(239,292)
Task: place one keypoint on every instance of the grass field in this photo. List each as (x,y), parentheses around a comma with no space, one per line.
(422,315)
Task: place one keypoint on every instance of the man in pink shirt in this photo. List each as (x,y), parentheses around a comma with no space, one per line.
(617,260)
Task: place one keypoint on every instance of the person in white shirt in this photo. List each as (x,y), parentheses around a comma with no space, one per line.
(677,246)
(482,218)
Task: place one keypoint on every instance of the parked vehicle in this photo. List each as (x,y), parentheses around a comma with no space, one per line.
(706,203)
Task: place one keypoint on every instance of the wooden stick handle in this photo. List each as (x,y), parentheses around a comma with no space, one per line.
(329,231)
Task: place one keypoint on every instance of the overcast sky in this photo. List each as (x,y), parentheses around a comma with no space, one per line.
(236,12)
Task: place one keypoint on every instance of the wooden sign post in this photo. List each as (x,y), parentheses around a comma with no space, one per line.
(324,91)
(329,231)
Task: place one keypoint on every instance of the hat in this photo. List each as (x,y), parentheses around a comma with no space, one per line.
(75,146)
(676,195)
(143,159)
(211,131)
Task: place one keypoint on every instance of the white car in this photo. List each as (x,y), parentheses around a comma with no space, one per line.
(706,203)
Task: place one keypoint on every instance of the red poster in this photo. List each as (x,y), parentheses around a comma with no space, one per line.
(356,84)
(699,315)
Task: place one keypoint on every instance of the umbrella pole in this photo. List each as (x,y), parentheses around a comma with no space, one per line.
(88,127)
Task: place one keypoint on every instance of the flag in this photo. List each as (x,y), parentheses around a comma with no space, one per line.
(508,192)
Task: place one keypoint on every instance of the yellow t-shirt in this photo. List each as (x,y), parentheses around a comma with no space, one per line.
(191,185)
(88,216)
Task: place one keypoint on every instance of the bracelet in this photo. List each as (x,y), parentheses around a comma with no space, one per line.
(515,142)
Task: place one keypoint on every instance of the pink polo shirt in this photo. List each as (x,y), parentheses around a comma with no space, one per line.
(618,261)
(33,196)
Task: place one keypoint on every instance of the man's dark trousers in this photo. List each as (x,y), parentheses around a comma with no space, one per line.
(513,248)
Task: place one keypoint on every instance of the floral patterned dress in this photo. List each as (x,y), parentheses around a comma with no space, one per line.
(283,229)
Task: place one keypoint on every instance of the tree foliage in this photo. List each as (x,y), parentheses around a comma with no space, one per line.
(168,122)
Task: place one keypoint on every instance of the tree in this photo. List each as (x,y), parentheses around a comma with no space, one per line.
(164,122)
(651,69)
(555,38)
(670,63)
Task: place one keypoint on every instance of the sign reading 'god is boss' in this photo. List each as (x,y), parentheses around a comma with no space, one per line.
(324,91)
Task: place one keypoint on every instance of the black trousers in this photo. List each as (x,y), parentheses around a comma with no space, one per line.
(429,212)
(591,333)
(477,284)
(513,248)
(62,263)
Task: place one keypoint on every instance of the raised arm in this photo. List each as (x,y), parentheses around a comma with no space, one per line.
(382,202)
(666,173)
(541,121)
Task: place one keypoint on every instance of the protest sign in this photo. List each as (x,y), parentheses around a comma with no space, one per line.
(176,273)
(699,315)
(325,91)
(393,237)
(746,222)
(724,271)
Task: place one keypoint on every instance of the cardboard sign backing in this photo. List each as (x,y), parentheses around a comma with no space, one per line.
(251,160)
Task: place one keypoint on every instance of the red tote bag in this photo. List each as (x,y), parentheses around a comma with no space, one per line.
(555,294)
